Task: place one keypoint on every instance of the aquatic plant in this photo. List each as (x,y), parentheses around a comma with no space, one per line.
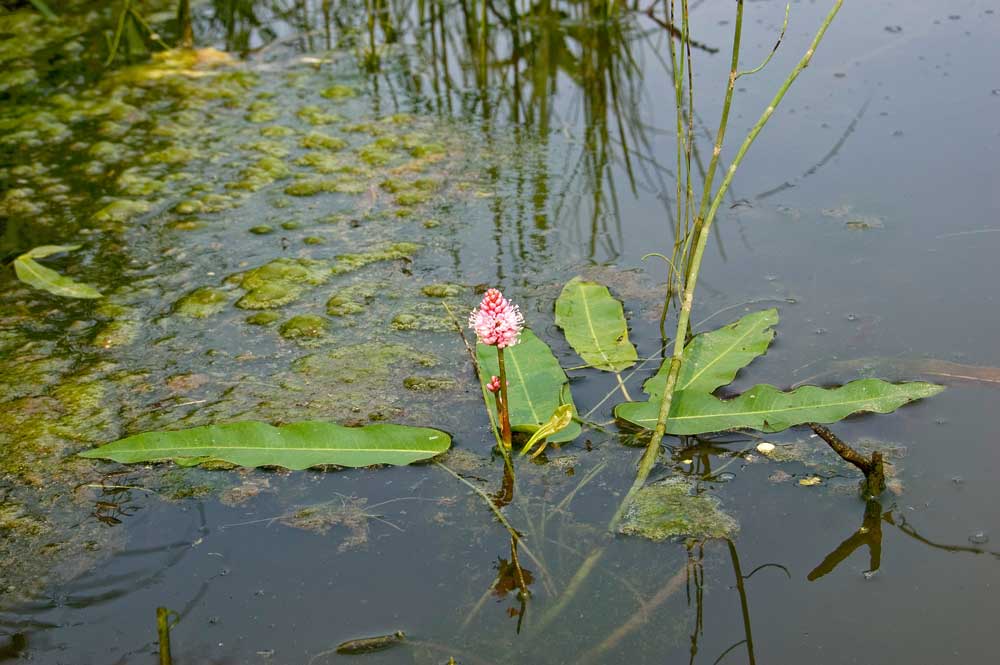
(498,322)
(32,273)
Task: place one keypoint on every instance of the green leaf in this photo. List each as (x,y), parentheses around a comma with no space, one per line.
(35,274)
(767,409)
(43,9)
(538,385)
(48,250)
(560,420)
(294,446)
(712,359)
(594,325)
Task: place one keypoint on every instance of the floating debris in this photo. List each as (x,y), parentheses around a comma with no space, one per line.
(370,644)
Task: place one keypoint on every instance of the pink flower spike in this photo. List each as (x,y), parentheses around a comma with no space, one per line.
(494,384)
(497,322)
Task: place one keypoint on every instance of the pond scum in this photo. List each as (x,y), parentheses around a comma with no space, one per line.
(245,222)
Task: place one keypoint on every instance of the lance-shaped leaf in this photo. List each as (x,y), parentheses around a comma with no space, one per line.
(538,385)
(294,446)
(34,274)
(594,325)
(712,359)
(767,409)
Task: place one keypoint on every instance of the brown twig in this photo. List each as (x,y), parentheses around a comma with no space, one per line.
(871,467)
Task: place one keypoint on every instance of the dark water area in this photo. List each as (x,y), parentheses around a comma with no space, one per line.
(866,212)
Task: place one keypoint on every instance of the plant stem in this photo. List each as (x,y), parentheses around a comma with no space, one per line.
(505,432)
(648,459)
(184,22)
(163,631)
(721,133)
(652,449)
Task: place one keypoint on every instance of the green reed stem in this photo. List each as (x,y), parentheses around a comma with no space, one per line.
(648,460)
(721,133)
(652,449)
(163,632)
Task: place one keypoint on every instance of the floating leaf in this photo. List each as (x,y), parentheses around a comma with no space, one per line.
(294,446)
(35,274)
(767,409)
(712,359)
(594,325)
(538,385)
(42,251)
(669,509)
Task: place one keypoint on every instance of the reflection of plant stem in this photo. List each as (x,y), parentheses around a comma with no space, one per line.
(743,599)
(546,577)
(641,616)
(912,533)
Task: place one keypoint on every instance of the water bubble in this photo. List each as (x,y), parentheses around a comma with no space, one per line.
(852,317)
(820,331)
(958,480)
(765,447)
(725,477)
(868,574)
(979,538)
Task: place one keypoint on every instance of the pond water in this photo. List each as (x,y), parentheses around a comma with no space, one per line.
(375,184)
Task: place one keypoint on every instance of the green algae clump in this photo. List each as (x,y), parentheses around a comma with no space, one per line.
(429,383)
(314,140)
(339,92)
(668,509)
(394,252)
(278,282)
(311,187)
(263,318)
(202,303)
(443,290)
(352,300)
(304,325)
(121,211)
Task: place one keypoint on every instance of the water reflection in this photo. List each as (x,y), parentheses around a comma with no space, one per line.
(539,71)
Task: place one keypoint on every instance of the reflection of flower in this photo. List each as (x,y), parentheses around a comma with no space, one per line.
(494,384)
(497,322)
